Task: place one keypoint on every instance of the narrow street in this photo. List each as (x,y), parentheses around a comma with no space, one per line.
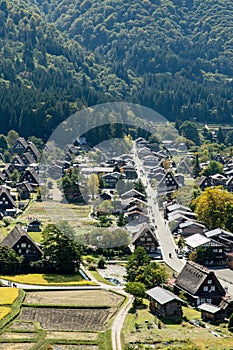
(165,237)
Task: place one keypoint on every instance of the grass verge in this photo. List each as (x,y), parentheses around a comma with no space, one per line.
(14,309)
(100,278)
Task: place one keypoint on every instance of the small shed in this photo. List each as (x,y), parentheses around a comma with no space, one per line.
(165,304)
(211,313)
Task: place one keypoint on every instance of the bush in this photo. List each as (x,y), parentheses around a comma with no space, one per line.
(230,323)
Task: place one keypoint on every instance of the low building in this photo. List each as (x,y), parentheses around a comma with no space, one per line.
(165,304)
(34,226)
(189,228)
(211,313)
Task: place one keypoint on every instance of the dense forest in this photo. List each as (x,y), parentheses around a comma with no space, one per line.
(59,56)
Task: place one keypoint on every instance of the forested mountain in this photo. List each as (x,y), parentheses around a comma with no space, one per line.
(58,56)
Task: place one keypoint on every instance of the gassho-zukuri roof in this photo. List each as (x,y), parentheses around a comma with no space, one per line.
(162,296)
(13,237)
(192,276)
(143,229)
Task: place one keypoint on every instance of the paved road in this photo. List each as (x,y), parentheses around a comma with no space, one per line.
(165,237)
(119,322)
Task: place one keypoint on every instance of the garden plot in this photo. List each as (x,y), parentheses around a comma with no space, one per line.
(73,336)
(67,319)
(11,335)
(90,298)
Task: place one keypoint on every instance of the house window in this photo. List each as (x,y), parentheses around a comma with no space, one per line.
(27,251)
(212,288)
(142,239)
(19,251)
(23,245)
(209,281)
(205,289)
(209,301)
(149,239)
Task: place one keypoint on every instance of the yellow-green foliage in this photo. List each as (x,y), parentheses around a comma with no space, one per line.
(4,310)
(47,279)
(8,295)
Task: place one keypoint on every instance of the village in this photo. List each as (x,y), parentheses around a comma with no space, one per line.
(132,204)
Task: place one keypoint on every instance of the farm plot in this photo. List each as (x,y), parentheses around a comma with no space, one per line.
(75,347)
(73,336)
(67,319)
(79,298)
(11,335)
(17,346)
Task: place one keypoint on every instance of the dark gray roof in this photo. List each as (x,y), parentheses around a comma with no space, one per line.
(13,237)
(143,229)
(162,296)
(28,158)
(22,141)
(8,195)
(192,277)
(32,147)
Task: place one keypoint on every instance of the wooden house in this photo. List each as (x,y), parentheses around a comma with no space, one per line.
(165,304)
(199,284)
(205,182)
(20,145)
(24,190)
(130,172)
(222,236)
(133,194)
(27,158)
(211,313)
(7,203)
(22,244)
(136,217)
(168,184)
(34,226)
(146,238)
(191,227)
(32,177)
(33,150)
(216,251)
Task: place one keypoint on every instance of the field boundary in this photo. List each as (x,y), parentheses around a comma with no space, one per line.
(15,309)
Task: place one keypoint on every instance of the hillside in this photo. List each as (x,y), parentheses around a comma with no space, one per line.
(62,55)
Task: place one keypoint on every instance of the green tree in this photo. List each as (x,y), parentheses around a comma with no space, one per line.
(138,186)
(121,220)
(61,254)
(203,255)
(220,136)
(138,290)
(10,262)
(196,167)
(189,131)
(154,275)
(38,142)
(12,136)
(213,168)
(136,263)
(230,323)
(3,143)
